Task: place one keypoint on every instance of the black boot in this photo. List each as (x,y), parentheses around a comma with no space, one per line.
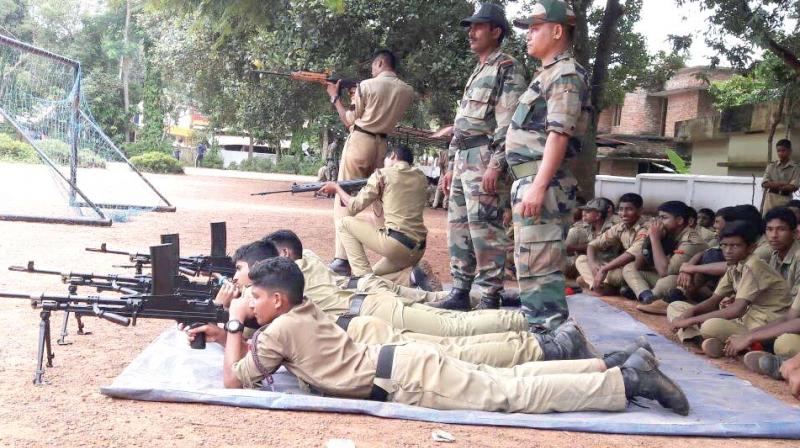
(420,279)
(566,342)
(458,299)
(618,358)
(627,292)
(340,267)
(489,303)
(510,297)
(642,378)
(647,297)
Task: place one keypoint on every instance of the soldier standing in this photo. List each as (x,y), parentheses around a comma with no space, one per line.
(476,237)
(552,113)
(379,103)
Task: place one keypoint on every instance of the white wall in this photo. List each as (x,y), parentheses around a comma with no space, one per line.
(239,156)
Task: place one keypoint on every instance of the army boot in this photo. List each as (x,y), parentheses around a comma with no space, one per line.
(489,303)
(340,267)
(566,342)
(458,299)
(642,378)
(618,358)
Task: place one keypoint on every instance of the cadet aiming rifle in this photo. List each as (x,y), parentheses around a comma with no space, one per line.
(217,262)
(162,303)
(323,78)
(350,186)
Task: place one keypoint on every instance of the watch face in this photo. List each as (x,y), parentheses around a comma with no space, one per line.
(233,326)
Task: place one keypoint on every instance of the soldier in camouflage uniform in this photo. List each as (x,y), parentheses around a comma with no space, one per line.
(476,174)
(552,113)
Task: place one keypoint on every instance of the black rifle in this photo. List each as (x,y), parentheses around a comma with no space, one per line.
(162,303)
(350,186)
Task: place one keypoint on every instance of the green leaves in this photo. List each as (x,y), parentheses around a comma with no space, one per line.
(680,165)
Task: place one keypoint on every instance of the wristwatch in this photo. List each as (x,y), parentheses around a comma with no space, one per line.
(234,326)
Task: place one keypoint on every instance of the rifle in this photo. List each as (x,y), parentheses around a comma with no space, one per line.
(323,78)
(162,303)
(350,186)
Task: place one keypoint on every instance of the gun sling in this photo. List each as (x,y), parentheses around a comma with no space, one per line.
(355,309)
(383,371)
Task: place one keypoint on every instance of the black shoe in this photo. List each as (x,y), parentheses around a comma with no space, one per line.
(618,358)
(420,279)
(510,297)
(628,293)
(489,303)
(340,267)
(458,299)
(770,365)
(642,378)
(675,295)
(566,342)
(647,297)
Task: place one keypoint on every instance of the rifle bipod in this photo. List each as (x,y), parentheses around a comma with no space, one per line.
(44,343)
(63,339)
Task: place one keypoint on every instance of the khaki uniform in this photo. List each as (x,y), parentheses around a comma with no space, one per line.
(775,172)
(321,289)
(580,234)
(403,192)
(751,280)
(313,348)
(380,103)
(788,345)
(689,244)
(615,240)
(557,100)
(708,235)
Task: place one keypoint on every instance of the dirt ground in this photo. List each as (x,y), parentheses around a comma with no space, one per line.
(70,411)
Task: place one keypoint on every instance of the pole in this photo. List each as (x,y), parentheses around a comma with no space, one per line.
(75,126)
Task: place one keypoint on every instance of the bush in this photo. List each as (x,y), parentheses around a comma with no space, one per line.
(297,165)
(13,150)
(59,152)
(255,164)
(213,159)
(144,146)
(157,162)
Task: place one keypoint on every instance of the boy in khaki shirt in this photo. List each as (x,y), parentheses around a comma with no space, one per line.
(303,339)
(749,295)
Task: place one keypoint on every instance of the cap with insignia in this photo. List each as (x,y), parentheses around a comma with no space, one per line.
(553,11)
(488,13)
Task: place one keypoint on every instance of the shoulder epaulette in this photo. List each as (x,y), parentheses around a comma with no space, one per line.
(506,62)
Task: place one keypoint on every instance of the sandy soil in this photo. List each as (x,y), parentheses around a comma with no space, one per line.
(70,411)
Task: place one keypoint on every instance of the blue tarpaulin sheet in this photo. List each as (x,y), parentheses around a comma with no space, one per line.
(722,404)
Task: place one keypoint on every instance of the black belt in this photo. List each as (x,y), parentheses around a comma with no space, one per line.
(464,143)
(401,238)
(383,371)
(374,134)
(782,193)
(355,309)
(352,283)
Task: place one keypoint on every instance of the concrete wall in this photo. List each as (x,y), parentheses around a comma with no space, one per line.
(605,120)
(625,168)
(706,155)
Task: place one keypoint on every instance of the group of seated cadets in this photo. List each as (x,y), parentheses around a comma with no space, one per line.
(376,344)
(731,289)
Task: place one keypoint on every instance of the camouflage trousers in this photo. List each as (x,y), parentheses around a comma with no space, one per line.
(475,234)
(540,252)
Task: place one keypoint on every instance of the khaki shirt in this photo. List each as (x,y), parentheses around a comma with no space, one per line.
(709,236)
(313,348)
(775,172)
(789,267)
(380,103)
(581,233)
(766,292)
(620,237)
(689,244)
(403,189)
(321,285)
(489,99)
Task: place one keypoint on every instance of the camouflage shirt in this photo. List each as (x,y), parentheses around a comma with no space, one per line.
(557,100)
(489,99)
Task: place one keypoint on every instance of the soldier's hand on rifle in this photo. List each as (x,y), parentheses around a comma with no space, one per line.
(227,293)
(329,188)
(447,182)
(333,89)
(213,333)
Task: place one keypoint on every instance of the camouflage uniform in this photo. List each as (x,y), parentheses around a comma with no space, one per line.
(557,100)
(476,237)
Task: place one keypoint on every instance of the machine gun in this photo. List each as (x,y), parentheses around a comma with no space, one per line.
(217,262)
(350,186)
(161,303)
(324,78)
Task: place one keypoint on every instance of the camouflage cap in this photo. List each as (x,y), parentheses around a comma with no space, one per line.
(594,204)
(488,13)
(553,11)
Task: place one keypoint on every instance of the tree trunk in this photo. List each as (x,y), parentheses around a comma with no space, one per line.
(777,117)
(585,167)
(250,148)
(125,69)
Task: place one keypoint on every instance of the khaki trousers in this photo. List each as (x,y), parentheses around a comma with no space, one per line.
(613,278)
(496,349)
(432,321)
(422,376)
(361,156)
(787,345)
(355,235)
(712,328)
(772,200)
(371,283)
(640,281)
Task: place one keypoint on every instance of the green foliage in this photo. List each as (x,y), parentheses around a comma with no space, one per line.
(213,159)
(144,146)
(255,164)
(680,165)
(59,152)
(157,162)
(13,150)
(768,80)
(152,104)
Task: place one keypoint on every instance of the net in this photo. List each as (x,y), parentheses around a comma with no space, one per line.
(55,161)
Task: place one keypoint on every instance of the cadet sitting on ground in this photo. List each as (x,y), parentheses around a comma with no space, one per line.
(595,220)
(670,242)
(301,337)
(402,189)
(606,277)
(707,235)
(749,295)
